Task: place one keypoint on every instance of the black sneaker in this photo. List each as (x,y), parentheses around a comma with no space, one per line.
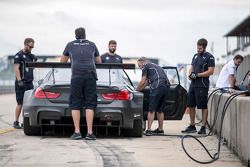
(189,129)
(76,136)
(202,131)
(16,125)
(148,132)
(158,131)
(90,137)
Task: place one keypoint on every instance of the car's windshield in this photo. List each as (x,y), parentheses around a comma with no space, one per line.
(105,76)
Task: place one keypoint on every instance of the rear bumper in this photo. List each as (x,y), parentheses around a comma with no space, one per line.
(122,117)
(43,111)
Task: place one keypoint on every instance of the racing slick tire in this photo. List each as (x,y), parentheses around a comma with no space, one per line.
(29,130)
(137,130)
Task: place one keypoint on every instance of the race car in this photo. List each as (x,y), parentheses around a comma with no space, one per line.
(119,104)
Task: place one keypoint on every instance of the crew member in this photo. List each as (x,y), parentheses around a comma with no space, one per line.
(227,77)
(24,76)
(154,76)
(111,56)
(83,55)
(202,67)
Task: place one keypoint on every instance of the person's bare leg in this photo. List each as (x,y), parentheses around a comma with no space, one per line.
(76,118)
(151,116)
(192,115)
(204,116)
(160,117)
(18,112)
(89,119)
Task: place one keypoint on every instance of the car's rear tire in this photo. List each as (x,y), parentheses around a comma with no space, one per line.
(136,131)
(29,130)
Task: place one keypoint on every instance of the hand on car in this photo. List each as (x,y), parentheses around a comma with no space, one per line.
(193,76)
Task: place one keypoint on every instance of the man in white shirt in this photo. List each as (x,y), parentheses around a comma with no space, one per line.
(227,77)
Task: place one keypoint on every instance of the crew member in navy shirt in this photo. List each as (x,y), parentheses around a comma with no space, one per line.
(111,56)
(83,55)
(24,76)
(202,67)
(154,76)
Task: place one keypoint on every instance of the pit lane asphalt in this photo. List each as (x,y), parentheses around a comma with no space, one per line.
(16,149)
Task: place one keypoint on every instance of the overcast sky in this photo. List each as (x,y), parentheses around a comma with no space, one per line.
(153,28)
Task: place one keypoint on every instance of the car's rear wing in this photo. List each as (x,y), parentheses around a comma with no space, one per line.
(68,65)
(54,65)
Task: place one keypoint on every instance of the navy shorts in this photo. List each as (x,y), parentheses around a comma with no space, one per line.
(20,91)
(197,97)
(83,92)
(156,98)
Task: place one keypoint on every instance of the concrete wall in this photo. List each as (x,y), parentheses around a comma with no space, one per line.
(236,126)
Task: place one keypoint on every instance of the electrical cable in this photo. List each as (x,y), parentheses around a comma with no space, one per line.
(216,155)
(223,90)
(215,115)
(210,127)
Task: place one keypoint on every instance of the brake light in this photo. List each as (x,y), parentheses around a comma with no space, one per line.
(122,95)
(40,94)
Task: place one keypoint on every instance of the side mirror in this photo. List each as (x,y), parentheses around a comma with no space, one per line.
(40,81)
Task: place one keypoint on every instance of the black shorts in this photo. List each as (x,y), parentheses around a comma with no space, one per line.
(156,98)
(20,91)
(83,92)
(197,97)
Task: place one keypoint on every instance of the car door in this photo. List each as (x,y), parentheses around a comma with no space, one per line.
(176,100)
(175,103)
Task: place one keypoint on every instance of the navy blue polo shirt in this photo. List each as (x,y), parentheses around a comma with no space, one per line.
(107,58)
(82,54)
(21,58)
(200,63)
(155,74)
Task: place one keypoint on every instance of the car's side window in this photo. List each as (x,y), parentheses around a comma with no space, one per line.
(172,76)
